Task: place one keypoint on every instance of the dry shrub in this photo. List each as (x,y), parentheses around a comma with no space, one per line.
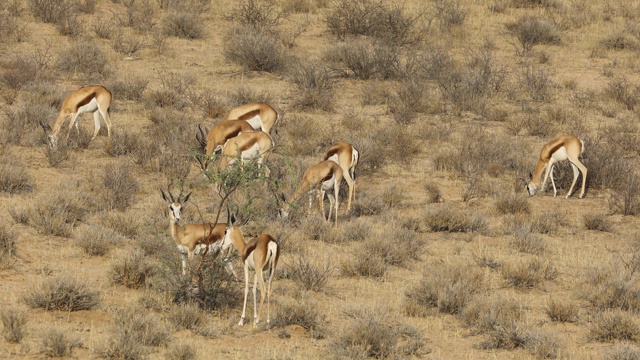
(244,95)
(316,228)
(122,223)
(7,246)
(401,143)
(449,14)
(120,187)
(448,288)
(527,242)
(212,104)
(127,43)
(373,18)
(361,263)
(310,274)
(561,310)
(611,325)
(598,222)
(52,11)
(513,203)
(56,343)
(131,329)
(58,212)
(85,58)
(618,41)
(528,274)
(547,222)
(176,91)
(370,334)
(536,83)
(263,15)
(183,24)
(624,92)
(255,50)
(13,325)
(139,15)
(404,245)
(23,122)
(450,219)
(14,178)
(309,136)
(616,287)
(529,31)
(356,230)
(500,320)
(543,344)
(96,240)
(62,293)
(622,351)
(181,352)
(186,316)
(314,87)
(367,59)
(433,192)
(626,198)
(104,28)
(376,93)
(122,143)
(23,69)
(300,312)
(71,25)
(12,27)
(412,97)
(131,270)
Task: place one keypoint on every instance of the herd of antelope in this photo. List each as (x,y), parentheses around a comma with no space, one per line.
(245,134)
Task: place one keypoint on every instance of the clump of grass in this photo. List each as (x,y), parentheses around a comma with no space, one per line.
(405,245)
(527,242)
(447,288)
(62,293)
(13,325)
(360,264)
(131,329)
(120,186)
(302,313)
(86,58)
(615,287)
(7,246)
(500,320)
(544,344)
(513,204)
(181,352)
(121,143)
(186,316)
(622,351)
(314,87)
(255,50)
(561,311)
(56,343)
(528,274)
(613,325)
(131,270)
(529,31)
(122,223)
(309,274)
(316,228)
(357,230)
(96,240)
(184,24)
(434,194)
(598,222)
(450,219)
(14,178)
(367,59)
(57,214)
(129,87)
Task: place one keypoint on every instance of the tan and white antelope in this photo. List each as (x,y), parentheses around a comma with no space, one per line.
(559,149)
(321,177)
(258,255)
(345,155)
(219,135)
(91,98)
(247,146)
(193,238)
(260,116)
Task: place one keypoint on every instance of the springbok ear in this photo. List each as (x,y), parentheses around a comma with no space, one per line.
(232,219)
(217,150)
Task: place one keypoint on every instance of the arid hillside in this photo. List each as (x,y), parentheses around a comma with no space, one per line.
(443,253)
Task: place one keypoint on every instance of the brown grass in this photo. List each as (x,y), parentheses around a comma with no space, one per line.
(62,293)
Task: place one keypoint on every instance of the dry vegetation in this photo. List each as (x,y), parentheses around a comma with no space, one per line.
(442,255)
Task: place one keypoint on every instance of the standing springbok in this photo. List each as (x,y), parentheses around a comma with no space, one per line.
(193,238)
(258,255)
(321,177)
(91,98)
(247,146)
(559,149)
(345,155)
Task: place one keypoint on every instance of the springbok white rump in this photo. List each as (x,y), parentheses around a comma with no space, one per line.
(258,255)
(193,238)
(260,116)
(91,98)
(321,177)
(345,155)
(559,149)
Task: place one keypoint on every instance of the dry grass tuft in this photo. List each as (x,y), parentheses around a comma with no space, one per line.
(302,313)
(309,274)
(622,351)
(59,213)
(96,240)
(181,352)
(448,288)
(359,264)
(598,222)
(14,178)
(120,186)
(499,319)
(131,329)
(561,311)
(449,219)
(611,325)
(62,293)
(256,50)
(186,316)
(528,242)
(7,247)
(513,204)
(131,270)
(528,274)
(314,87)
(13,325)
(56,343)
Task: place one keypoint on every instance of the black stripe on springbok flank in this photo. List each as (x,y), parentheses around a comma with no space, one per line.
(249,115)
(555,148)
(87,99)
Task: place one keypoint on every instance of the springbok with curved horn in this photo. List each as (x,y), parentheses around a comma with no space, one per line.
(321,177)
(91,98)
(193,238)
(258,255)
(559,149)
(219,135)
(248,146)
(260,116)
(345,155)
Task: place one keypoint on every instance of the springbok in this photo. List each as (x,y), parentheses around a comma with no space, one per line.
(258,255)
(322,177)
(193,238)
(260,116)
(345,155)
(91,98)
(559,149)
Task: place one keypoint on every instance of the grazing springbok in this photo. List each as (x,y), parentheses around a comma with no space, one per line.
(193,238)
(260,116)
(91,98)
(218,136)
(559,149)
(247,146)
(345,155)
(321,177)
(258,255)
